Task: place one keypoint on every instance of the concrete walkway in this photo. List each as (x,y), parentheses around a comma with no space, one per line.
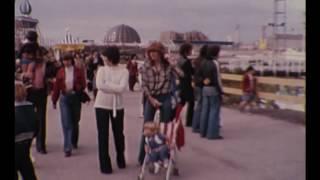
(254,148)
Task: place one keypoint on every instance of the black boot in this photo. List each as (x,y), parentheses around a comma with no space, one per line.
(121,161)
(106,168)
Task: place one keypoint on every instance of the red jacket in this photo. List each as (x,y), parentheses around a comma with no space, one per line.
(132,68)
(246,84)
(79,83)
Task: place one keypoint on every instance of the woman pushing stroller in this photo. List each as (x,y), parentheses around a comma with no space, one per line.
(156,84)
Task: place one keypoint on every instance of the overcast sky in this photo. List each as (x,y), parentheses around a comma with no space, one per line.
(91,19)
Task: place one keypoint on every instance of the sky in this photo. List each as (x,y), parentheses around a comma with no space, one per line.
(91,19)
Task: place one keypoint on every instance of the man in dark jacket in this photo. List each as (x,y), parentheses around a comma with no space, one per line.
(185,82)
(38,93)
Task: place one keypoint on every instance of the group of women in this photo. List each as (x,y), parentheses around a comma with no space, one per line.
(198,83)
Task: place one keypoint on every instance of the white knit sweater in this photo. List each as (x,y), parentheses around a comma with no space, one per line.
(111,82)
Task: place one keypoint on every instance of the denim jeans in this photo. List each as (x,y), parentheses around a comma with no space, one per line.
(210,116)
(70,109)
(160,155)
(165,109)
(197,111)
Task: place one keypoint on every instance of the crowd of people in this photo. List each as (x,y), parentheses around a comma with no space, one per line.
(167,85)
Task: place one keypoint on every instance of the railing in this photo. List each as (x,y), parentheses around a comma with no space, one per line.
(270,96)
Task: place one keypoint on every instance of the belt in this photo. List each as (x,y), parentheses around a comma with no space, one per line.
(37,89)
(68,92)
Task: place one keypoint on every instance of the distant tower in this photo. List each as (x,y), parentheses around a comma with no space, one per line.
(237,35)
(263,42)
(279,23)
(24,23)
(279,26)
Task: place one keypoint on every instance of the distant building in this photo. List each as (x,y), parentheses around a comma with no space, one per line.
(122,35)
(173,46)
(88,42)
(188,36)
(285,41)
(170,35)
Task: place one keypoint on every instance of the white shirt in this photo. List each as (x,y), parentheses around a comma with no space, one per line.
(111,83)
(69,78)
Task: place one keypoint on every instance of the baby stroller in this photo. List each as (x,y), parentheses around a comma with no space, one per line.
(176,141)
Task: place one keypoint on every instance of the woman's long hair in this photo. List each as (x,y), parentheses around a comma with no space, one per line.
(202,55)
(212,52)
(184,49)
(163,60)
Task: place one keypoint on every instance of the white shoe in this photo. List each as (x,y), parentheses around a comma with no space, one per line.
(166,163)
(156,168)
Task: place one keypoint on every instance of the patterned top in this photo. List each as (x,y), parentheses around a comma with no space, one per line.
(156,82)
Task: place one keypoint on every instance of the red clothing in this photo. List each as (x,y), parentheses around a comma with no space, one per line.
(132,68)
(79,83)
(248,86)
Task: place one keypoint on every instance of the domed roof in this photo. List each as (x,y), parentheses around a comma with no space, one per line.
(195,36)
(122,34)
(25,7)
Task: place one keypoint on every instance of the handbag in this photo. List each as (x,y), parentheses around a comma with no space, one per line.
(84,97)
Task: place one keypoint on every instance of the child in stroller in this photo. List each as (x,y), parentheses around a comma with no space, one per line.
(156,145)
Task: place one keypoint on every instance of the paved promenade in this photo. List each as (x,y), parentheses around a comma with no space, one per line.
(255,148)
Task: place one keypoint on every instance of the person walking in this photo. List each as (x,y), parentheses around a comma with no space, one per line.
(197,83)
(112,80)
(70,82)
(132,67)
(249,84)
(25,131)
(211,95)
(156,84)
(38,93)
(185,82)
(97,62)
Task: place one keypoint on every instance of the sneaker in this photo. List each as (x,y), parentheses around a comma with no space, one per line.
(216,138)
(156,168)
(67,154)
